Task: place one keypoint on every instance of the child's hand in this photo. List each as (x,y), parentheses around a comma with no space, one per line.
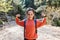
(43,15)
(18,15)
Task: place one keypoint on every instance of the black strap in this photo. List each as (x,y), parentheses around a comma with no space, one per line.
(35,25)
(24,27)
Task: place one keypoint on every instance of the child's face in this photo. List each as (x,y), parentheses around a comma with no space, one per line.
(30,14)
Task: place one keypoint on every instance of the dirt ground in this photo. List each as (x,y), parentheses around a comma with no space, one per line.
(15,32)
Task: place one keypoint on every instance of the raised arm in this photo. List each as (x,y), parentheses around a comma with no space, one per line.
(18,21)
(41,22)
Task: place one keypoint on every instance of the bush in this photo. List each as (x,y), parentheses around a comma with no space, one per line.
(1,22)
(56,22)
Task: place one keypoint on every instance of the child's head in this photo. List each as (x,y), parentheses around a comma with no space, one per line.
(30,13)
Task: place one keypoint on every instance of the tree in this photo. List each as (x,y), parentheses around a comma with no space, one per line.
(5,6)
(55,3)
(29,3)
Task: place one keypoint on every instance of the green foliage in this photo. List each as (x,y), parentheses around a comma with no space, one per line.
(56,22)
(55,3)
(5,5)
(1,22)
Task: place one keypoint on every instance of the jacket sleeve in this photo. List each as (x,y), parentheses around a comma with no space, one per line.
(41,23)
(21,23)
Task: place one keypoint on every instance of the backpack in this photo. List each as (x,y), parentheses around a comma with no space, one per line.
(25,26)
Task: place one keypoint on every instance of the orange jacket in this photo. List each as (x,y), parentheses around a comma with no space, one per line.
(30,27)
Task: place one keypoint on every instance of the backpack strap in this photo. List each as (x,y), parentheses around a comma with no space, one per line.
(35,25)
(24,26)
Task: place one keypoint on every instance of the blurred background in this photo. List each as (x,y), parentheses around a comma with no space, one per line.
(9,8)
(9,30)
